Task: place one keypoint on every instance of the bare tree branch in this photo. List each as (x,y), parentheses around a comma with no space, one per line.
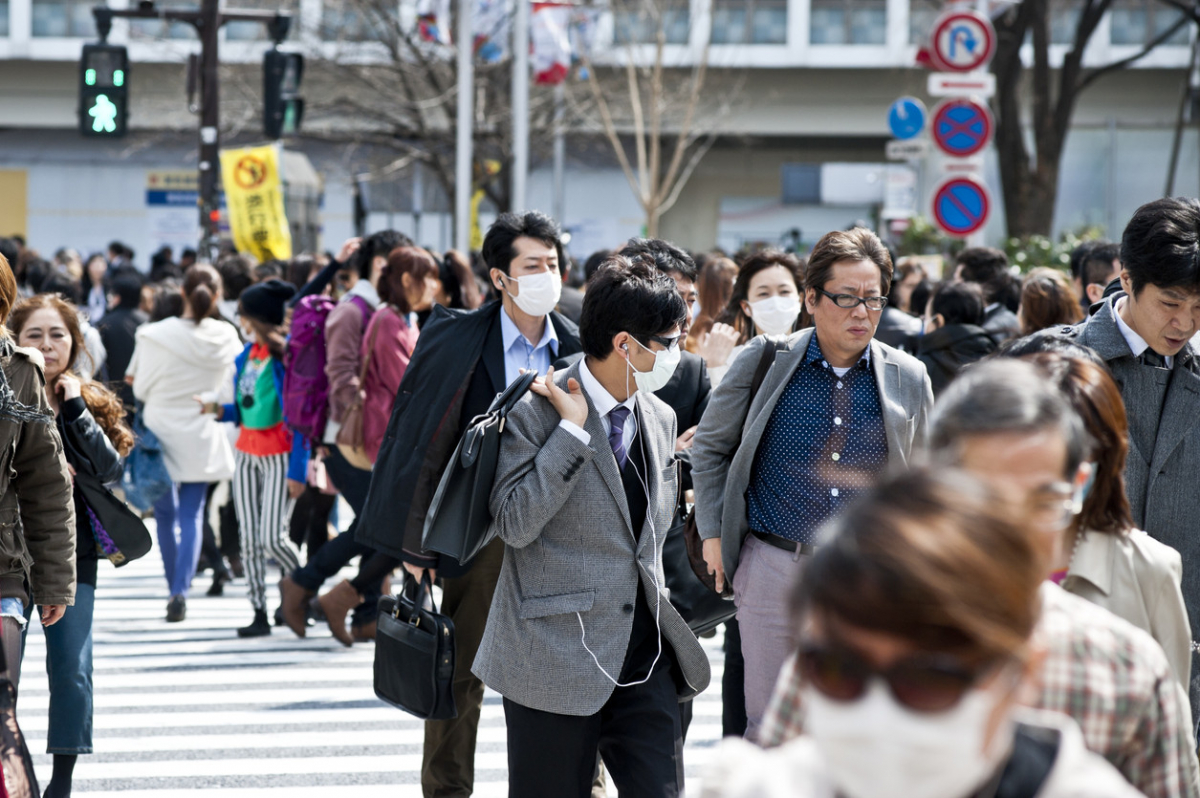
(1100,72)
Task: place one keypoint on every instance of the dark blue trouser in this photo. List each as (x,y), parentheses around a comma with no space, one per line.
(69,671)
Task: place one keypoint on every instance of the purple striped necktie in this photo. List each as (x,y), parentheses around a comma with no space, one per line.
(616,433)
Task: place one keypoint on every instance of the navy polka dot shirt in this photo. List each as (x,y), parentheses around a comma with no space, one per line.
(824,444)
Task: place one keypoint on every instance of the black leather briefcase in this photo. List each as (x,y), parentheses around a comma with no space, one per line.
(414,655)
(458,520)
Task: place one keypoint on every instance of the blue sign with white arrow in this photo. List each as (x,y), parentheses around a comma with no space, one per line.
(906,118)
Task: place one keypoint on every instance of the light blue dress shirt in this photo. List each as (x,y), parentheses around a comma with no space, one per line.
(520,354)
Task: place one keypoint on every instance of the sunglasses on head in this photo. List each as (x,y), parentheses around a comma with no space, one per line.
(923,682)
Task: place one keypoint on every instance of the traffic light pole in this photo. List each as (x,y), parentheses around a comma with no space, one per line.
(207,21)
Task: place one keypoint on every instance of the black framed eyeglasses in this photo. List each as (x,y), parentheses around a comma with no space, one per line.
(667,343)
(923,683)
(850,301)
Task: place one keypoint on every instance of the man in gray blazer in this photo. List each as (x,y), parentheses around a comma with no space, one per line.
(835,409)
(582,640)
(1143,334)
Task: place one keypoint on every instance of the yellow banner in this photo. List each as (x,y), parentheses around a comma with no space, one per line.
(254,199)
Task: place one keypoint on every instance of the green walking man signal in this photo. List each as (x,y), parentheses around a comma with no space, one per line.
(103,91)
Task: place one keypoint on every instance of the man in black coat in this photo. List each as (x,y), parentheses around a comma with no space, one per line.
(461,361)
(118,329)
(988,268)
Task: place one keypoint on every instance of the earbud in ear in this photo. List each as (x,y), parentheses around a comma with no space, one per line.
(625,347)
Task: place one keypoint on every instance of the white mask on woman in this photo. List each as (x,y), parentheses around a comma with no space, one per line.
(539,292)
(876,748)
(775,315)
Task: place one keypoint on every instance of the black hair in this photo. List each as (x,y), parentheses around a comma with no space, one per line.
(664,255)
(1161,245)
(128,288)
(168,302)
(36,272)
(594,262)
(377,245)
(632,297)
(498,250)
(271,270)
(921,294)
(1052,340)
(62,285)
(1080,256)
(237,274)
(10,251)
(958,303)
(987,266)
(1098,266)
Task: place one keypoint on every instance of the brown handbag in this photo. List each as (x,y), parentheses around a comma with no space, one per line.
(350,439)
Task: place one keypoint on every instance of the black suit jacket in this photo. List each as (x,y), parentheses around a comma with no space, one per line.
(456,370)
(118,329)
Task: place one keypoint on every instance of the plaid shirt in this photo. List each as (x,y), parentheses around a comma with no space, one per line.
(1106,674)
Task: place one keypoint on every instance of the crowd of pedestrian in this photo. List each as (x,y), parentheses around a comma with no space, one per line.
(952,510)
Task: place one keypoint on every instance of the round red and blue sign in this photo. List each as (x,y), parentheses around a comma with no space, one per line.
(961,206)
(962,127)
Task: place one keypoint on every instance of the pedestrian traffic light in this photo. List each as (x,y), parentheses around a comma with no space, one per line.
(103,90)
(283,107)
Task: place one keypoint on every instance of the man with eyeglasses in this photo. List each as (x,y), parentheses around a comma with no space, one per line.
(1004,423)
(769,467)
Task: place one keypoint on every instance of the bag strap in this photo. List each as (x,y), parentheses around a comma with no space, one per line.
(771,346)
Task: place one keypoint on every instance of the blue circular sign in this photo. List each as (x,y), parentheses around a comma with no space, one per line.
(906,118)
(961,206)
(961,127)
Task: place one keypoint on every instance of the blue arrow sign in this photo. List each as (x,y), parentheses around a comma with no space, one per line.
(964,34)
(906,118)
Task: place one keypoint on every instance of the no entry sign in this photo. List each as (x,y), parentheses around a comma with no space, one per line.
(961,206)
(961,127)
(962,41)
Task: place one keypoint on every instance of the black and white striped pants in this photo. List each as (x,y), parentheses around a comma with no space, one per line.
(260,497)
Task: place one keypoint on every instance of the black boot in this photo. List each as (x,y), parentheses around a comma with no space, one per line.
(176,609)
(218,583)
(261,627)
(60,781)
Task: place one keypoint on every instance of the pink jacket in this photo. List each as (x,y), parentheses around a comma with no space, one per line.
(394,341)
(344,337)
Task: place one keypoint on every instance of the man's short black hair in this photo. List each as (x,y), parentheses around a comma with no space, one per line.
(64,286)
(632,297)
(665,256)
(10,251)
(1098,266)
(498,245)
(988,267)
(1161,245)
(594,262)
(1080,254)
(237,274)
(959,303)
(128,288)
(1053,340)
(377,245)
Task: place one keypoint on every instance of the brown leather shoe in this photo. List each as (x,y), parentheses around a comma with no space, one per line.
(364,633)
(337,604)
(294,603)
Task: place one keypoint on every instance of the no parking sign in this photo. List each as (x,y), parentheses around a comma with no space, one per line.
(961,127)
(961,206)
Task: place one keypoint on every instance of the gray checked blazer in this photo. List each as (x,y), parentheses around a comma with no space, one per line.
(725,444)
(559,506)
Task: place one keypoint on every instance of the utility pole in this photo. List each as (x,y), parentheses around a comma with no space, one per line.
(520,106)
(466,126)
(207,21)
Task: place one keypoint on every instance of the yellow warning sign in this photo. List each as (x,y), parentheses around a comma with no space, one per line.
(254,199)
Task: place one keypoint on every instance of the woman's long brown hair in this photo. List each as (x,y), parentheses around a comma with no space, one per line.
(105,406)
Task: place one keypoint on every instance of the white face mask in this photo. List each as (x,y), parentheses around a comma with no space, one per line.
(539,292)
(665,363)
(877,748)
(775,315)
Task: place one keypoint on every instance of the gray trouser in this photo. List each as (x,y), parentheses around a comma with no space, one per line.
(761,588)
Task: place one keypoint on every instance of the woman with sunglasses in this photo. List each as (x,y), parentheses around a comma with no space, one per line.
(915,622)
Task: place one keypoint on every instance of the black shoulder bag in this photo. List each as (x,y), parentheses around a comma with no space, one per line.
(459,518)
(414,655)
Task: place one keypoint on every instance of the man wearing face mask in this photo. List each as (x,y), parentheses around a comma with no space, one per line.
(1005,423)
(833,412)
(461,361)
(582,641)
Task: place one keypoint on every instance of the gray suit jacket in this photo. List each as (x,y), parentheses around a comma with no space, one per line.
(729,434)
(559,506)
(1161,484)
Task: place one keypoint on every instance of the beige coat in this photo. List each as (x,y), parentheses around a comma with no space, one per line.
(1137,578)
